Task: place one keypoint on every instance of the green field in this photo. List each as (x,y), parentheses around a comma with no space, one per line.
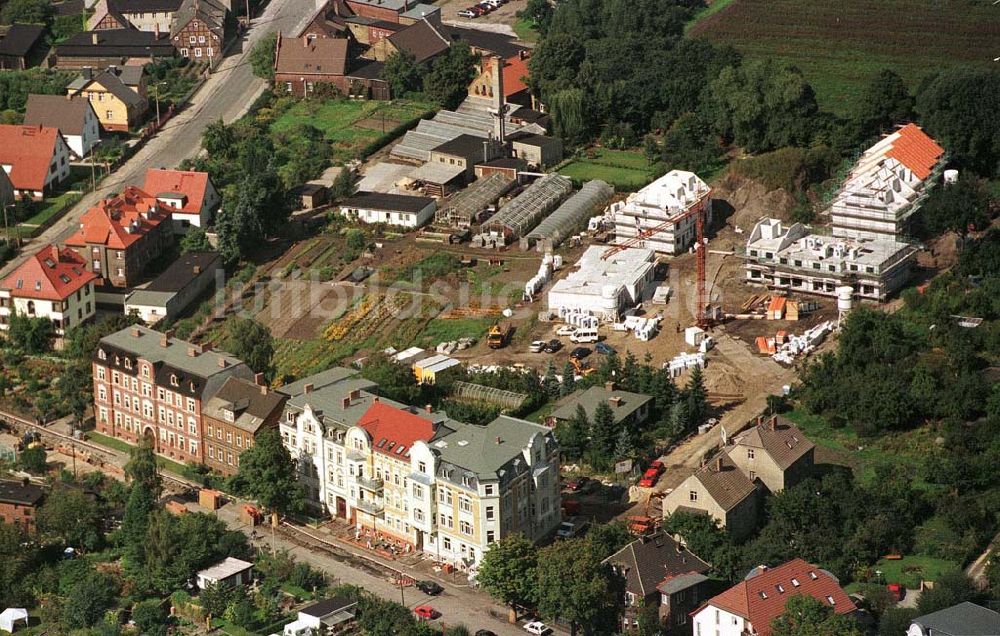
(349,125)
(911,569)
(626,170)
(840,44)
(525,30)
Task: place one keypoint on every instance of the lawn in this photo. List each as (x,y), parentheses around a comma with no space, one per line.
(118,445)
(50,207)
(441,330)
(626,170)
(840,44)
(349,125)
(525,30)
(911,569)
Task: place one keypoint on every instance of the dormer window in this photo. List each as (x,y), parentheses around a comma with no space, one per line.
(763,594)
(813,576)
(101,354)
(795,582)
(830,600)
(173,380)
(128,363)
(228,415)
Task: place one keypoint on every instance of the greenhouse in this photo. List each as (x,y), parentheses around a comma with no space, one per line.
(525,210)
(593,197)
(461,211)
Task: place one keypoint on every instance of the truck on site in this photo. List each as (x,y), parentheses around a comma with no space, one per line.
(499,335)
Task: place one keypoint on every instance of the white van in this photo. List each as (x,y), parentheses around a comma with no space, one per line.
(584,335)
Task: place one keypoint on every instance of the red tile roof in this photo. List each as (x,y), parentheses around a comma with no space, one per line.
(915,150)
(50,274)
(393,430)
(761,598)
(515,71)
(29,151)
(192,185)
(119,222)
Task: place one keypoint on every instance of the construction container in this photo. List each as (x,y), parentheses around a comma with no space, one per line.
(210,499)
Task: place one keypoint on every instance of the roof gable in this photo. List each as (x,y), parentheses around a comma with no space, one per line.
(28,150)
(647,561)
(49,274)
(68,114)
(393,430)
(119,222)
(193,185)
(916,150)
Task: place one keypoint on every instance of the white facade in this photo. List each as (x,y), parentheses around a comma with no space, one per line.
(713,621)
(604,288)
(654,206)
(184,219)
(64,314)
(80,145)
(398,218)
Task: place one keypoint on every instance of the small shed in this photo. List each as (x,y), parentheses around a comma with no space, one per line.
(311,195)
(10,616)
(211,499)
(228,572)
(426,370)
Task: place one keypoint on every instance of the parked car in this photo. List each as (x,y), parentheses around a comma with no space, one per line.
(426,612)
(897,591)
(566,330)
(467,13)
(649,478)
(552,346)
(604,349)
(536,346)
(570,528)
(579,353)
(577,484)
(658,465)
(429,587)
(538,628)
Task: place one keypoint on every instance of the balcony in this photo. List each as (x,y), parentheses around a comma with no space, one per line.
(370,506)
(373,484)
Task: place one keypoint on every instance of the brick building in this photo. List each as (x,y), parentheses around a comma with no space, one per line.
(149,383)
(19,501)
(201,28)
(119,237)
(234,416)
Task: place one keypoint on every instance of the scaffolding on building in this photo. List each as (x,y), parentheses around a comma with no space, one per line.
(463,208)
(523,212)
(481,393)
(592,197)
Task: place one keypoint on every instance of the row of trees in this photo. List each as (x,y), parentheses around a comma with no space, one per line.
(445,79)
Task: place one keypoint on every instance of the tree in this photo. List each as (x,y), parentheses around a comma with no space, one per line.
(89,599)
(141,467)
(574,585)
(539,12)
(550,382)
(689,143)
(568,380)
(403,73)
(806,616)
(885,102)
(950,589)
(343,186)
(26,12)
(267,473)
(262,56)
(959,207)
(603,431)
(18,556)
(625,445)
(448,81)
(761,106)
(251,342)
(951,109)
(896,621)
(508,571)
(607,538)
(71,516)
(81,342)
(30,335)
(150,616)
(144,492)
(696,398)
(195,240)
(572,434)
(33,460)
(571,116)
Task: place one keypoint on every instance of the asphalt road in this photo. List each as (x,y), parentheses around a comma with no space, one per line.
(226,95)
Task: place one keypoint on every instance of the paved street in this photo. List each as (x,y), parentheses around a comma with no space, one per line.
(226,95)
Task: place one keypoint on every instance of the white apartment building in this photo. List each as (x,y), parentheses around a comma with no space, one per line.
(663,206)
(414,477)
(887,185)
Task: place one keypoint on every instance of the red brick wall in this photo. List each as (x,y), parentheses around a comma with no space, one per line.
(377,13)
(14,514)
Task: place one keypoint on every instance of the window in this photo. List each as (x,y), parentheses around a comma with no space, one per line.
(753,476)
(749,453)
(418,515)
(830,600)
(465,504)
(184,52)
(693,495)
(489,490)
(190,405)
(490,536)
(193,39)
(490,515)
(197,52)
(201,39)
(795,583)
(446,543)
(444,496)
(465,527)
(422,467)
(418,491)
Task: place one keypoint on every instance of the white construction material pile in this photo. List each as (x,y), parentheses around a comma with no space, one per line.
(544,275)
(804,344)
(643,328)
(684,362)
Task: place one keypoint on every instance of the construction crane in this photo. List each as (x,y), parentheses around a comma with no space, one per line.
(697,209)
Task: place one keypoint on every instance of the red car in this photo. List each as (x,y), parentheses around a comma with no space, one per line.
(649,478)
(658,465)
(426,612)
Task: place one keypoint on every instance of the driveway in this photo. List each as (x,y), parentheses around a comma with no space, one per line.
(225,95)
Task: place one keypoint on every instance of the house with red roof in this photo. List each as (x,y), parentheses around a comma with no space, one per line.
(120,236)
(35,158)
(54,283)
(515,76)
(747,608)
(887,185)
(188,196)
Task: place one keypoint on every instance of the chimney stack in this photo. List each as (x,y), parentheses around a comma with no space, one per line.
(192,351)
(223,363)
(258,379)
(760,420)
(429,408)
(197,269)
(55,253)
(165,337)
(718,464)
(136,332)
(609,385)
(346,402)
(307,389)
(499,440)
(205,348)
(774,422)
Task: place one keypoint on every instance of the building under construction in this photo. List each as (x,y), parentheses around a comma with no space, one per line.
(663,216)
